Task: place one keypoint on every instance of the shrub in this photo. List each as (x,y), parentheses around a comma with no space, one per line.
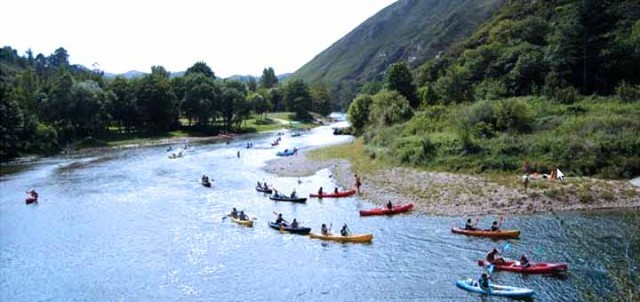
(628,93)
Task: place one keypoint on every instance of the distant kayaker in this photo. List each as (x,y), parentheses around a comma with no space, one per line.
(345,230)
(524,261)
(483,282)
(259,185)
(234,213)
(389,205)
(265,185)
(320,191)
(471,226)
(358,183)
(243,216)
(335,190)
(279,220)
(238,153)
(494,257)
(495,226)
(324,230)
(293,194)
(294,223)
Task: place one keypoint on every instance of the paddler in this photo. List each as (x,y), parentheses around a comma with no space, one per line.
(493,257)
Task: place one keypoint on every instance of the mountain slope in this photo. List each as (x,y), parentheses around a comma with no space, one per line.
(408,30)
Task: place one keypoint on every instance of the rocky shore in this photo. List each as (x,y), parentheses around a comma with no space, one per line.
(439,193)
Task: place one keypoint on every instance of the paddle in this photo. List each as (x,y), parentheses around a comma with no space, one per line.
(490,268)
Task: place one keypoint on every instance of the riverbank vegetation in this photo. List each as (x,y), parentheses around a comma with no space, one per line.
(48,104)
(549,84)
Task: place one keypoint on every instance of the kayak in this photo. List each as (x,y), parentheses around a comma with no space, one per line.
(495,290)
(385,211)
(486,233)
(31,200)
(340,238)
(263,190)
(206,184)
(334,195)
(248,223)
(534,268)
(285,198)
(287,152)
(284,227)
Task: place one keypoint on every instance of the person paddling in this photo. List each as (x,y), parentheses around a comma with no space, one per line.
(524,261)
(280,220)
(320,191)
(345,230)
(234,213)
(483,282)
(324,230)
(294,224)
(493,257)
(389,205)
(471,226)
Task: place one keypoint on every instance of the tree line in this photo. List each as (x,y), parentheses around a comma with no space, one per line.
(46,103)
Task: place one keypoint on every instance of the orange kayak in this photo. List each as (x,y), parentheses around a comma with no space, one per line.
(485,233)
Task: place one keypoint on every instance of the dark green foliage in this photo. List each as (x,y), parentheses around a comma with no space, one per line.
(268,79)
(297,99)
(359,112)
(156,100)
(399,79)
(202,68)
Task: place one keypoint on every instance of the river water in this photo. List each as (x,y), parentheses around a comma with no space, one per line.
(133,225)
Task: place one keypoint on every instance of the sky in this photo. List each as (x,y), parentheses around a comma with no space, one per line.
(232,36)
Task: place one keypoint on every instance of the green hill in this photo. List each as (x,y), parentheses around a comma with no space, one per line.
(413,31)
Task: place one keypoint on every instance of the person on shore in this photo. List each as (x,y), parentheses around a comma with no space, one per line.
(525,182)
(234,213)
(320,191)
(238,154)
(294,223)
(389,205)
(358,183)
(493,257)
(471,226)
(524,261)
(324,230)
(279,220)
(483,282)
(345,230)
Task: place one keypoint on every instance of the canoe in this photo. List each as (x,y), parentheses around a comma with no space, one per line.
(248,223)
(206,184)
(299,230)
(263,190)
(286,152)
(340,238)
(285,198)
(485,233)
(385,211)
(495,290)
(534,268)
(334,195)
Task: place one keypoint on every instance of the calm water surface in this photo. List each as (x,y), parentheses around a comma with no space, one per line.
(133,225)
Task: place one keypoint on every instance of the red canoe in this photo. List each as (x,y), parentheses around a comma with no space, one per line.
(385,211)
(534,268)
(334,195)
(31,199)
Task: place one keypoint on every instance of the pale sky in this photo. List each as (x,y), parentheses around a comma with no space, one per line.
(231,36)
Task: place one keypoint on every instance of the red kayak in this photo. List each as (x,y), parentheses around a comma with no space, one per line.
(334,195)
(534,268)
(31,199)
(386,211)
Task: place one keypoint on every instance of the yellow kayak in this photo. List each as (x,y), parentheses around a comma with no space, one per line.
(248,223)
(340,238)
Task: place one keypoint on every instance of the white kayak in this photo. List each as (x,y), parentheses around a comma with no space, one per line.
(494,289)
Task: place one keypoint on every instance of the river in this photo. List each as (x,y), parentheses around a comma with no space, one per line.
(134,225)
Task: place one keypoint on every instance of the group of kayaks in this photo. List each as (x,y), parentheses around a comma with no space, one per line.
(507,265)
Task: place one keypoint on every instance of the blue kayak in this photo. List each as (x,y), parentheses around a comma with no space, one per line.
(495,290)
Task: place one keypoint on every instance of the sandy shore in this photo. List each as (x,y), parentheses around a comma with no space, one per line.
(452,194)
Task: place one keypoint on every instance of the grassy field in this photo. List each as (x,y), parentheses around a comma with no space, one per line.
(354,153)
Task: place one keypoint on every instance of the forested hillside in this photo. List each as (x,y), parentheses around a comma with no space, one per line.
(555,83)
(47,104)
(412,31)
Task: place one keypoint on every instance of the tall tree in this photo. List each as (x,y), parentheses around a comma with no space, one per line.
(156,100)
(232,102)
(201,98)
(399,78)
(269,78)
(297,98)
(321,100)
(200,67)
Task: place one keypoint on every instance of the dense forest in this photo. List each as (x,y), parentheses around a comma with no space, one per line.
(554,83)
(47,104)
